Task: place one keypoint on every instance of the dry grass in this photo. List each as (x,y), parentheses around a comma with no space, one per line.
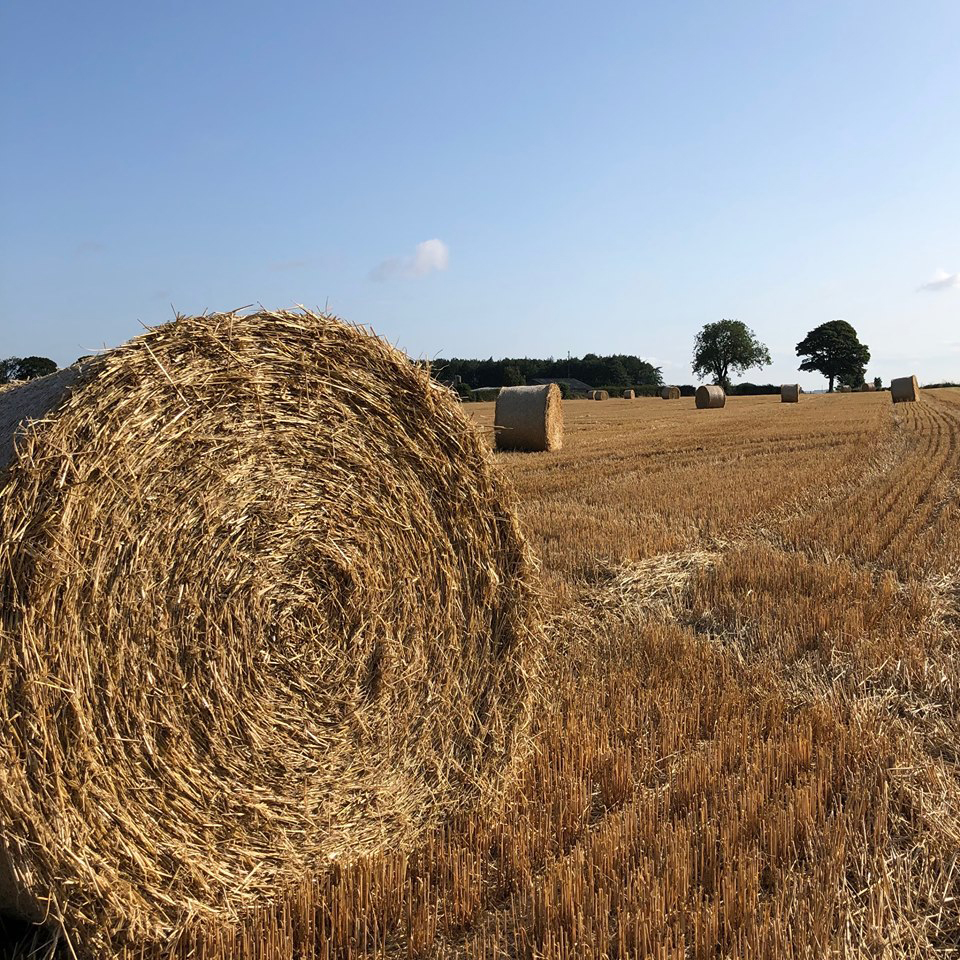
(747,734)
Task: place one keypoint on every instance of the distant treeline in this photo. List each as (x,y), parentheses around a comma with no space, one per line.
(754,389)
(618,370)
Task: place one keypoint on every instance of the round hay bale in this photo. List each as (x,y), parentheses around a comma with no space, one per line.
(529,418)
(22,402)
(710,397)
(629,395)
(601,394)
(790,393)
(670,393)
(263,604)
(867,388)
(845,389)
(904,389)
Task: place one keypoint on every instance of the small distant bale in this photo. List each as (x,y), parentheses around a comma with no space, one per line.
(867,388)
(905,389)
(670,393)
(710,397)
(845,389)
(601,395)
(529,418)
(790,393)
(628,395)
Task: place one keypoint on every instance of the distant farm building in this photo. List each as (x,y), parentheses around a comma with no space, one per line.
(572,384)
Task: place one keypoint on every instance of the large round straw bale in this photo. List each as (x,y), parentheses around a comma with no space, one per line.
(867,388)
(904,389)
(710,397)
(629,395)
(845,389)
(790,393)
(263,604)
(529,418)
(601,394)
(670,393)
(22,402)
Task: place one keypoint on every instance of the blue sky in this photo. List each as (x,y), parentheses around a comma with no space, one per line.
(518,178)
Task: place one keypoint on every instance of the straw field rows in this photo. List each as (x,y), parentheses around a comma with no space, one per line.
(747,724)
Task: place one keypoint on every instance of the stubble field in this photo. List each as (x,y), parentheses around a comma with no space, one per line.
(747,739)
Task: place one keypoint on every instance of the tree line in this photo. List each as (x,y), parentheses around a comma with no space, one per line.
(721,350)
(614,371)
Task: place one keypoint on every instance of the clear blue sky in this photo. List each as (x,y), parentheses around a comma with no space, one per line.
(479,179)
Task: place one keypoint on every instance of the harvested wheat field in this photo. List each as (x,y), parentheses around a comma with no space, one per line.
(747,713)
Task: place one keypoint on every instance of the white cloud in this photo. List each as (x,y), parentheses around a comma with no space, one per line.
(428,257)
(942,281)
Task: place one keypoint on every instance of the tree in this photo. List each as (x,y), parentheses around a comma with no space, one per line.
(25,368)
(8,369)
(616,374)
(33,367)
(853,379)
(725,347)
(834,350)
(512,377)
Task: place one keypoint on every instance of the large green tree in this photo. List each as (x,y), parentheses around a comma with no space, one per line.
(835,350)
(725,347)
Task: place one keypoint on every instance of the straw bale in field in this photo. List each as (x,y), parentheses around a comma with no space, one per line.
(601,395)
(529,418)
(629,395)
(263,604)
(710,397)
(20,403)
(904,389)
(790,393)
(670,393)
(867,388)
(845,389)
